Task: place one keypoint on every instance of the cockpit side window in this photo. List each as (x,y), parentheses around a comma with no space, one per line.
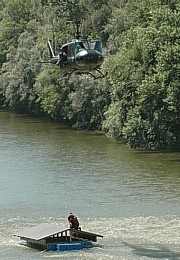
(79,47)
(97,46)
(71,50)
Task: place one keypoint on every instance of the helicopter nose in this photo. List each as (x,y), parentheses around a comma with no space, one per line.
(90,58)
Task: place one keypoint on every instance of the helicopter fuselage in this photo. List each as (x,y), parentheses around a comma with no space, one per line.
(83,55)
(86,55)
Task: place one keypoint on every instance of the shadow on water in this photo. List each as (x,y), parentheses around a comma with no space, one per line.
(154,251)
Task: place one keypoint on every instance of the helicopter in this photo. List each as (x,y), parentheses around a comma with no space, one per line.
(79,55)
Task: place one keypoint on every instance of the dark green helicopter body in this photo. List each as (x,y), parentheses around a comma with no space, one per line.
(79,56)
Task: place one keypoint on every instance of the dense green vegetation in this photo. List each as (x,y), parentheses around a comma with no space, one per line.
(138,101)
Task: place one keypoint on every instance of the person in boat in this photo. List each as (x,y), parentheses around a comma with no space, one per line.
(73,221)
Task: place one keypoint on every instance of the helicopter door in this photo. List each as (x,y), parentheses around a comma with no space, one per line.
(64,54)
(71,52)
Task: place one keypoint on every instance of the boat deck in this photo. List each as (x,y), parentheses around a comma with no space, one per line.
(52,237)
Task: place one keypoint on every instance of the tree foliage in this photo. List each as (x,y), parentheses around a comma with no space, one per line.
(144,79)
(139,101)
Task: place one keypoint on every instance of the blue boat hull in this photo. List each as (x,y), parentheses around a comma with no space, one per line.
(69,246)
(79,245)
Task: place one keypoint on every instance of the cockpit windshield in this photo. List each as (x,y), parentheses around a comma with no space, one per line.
(88,45)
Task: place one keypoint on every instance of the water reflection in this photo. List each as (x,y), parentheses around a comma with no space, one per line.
(50,159)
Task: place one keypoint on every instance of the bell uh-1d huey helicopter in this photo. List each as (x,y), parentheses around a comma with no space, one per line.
(80,56)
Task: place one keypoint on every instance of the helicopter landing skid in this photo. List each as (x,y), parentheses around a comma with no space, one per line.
(68,74)
(101,75)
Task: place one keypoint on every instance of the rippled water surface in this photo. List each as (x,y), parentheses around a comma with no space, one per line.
(130,197)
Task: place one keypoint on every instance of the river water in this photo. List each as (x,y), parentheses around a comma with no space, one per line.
(48,170)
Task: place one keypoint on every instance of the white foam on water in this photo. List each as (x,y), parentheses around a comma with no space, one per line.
(130,238)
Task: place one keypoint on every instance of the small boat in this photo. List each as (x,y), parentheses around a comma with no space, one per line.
(53,238)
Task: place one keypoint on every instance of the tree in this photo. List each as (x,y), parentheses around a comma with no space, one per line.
(88,99)
(148,65)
